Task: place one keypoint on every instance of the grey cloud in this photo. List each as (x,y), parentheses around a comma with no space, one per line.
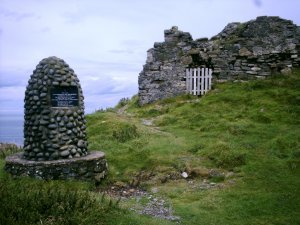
(258,3)
(11,99)
(73,18)
(16,16)
(107,85)
(129,47)
(127,51)
(132,43)
(45,29)
(103,66)
(13,77)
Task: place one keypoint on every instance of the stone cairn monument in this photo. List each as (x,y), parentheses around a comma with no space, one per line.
(54,113)
(55,141)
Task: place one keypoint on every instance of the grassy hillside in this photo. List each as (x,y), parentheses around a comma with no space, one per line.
(239,146)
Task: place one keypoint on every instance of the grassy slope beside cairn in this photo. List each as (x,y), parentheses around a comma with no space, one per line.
(239,146)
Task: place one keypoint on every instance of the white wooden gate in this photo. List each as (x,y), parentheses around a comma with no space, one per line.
(198,80)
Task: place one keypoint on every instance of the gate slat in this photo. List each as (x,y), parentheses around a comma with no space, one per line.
(187,74)
(202,80)
(206,81)
(191,81)
(195,81)
(209,79)
(198,81)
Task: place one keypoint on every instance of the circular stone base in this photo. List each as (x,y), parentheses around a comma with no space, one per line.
(92,167)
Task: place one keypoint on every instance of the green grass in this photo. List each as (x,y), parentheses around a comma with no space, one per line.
(252,129)
(249,130)
(27,201)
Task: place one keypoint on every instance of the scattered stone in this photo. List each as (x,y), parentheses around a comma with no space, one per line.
(286,71)
(147,122)
(154,190)
(99,176)
(184,175)
(156,206)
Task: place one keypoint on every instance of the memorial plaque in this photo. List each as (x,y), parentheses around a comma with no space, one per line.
(64,96)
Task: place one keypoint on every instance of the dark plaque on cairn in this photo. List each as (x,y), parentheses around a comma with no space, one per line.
(64,96)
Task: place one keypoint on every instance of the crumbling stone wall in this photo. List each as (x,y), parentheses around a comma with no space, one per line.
(251,50)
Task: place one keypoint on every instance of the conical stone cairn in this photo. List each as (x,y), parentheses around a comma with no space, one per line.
(54,126)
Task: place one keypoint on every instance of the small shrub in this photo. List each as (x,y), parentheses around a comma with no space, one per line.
(109,109)
(224,156)
(8,149)
(238,130)
(166,120)
(168,100)
(284,147)
(125,132)
(37,202)
(123,102)
(195,148)
(196,118)
(134,102)
(217,179)
(261,118)
(153,112)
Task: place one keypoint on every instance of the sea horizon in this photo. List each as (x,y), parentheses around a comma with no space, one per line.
(11,129)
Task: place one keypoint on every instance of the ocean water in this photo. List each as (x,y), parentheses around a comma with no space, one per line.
(11,129)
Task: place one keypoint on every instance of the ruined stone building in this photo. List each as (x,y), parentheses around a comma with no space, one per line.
(242,51)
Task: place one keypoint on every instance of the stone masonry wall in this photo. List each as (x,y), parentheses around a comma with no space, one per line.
(92,167)
(251,50)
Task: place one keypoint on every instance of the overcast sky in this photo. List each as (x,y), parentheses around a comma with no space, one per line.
(105,42)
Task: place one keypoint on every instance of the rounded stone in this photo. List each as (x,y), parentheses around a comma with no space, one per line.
(54,155)
(69,125)
(65,153)
(81,144)
(62,129)
(39,155)
(52,126)
(44,122)
(51,71)
(65,138)
(43,95)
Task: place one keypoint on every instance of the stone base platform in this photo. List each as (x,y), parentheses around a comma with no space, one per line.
(92,167)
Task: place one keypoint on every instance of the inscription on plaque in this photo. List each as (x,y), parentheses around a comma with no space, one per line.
(64,96)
